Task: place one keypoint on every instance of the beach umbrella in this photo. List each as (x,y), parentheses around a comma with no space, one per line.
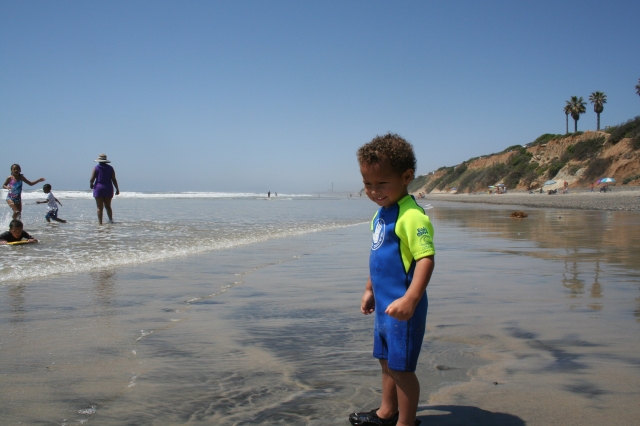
(500,184)
(454,189)
(549,182)
(491,186)
(606,180)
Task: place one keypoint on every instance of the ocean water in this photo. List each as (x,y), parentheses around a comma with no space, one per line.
(531,321)
(157,226)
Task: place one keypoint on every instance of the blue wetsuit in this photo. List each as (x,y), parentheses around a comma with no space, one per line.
(402,234)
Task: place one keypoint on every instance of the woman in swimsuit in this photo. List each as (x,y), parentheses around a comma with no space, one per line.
(13,184)
(103,179)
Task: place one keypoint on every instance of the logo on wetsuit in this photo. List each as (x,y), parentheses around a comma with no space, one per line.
(425,238)
(378,235)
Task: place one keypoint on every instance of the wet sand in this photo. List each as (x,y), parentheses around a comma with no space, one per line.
(615,200)
(533,321)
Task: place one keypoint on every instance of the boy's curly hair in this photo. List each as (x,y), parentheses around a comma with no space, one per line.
(390,148)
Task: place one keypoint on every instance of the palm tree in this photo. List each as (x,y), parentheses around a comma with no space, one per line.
(567,111)
(578,106)
(598,99)
(638,87)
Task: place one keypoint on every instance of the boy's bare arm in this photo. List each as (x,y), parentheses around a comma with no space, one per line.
(57,200)
(402,309)
(368,302)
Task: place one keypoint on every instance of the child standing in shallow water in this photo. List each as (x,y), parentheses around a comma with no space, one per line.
(53,207)
(400,267)
(14,185)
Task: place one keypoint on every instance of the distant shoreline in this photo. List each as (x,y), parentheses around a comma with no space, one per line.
(619,199)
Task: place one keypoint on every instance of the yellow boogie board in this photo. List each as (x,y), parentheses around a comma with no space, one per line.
(15,243)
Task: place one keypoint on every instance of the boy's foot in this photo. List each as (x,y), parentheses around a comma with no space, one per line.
(371,419)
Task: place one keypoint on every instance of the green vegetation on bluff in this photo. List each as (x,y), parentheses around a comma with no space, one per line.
(521,167)
(629,129)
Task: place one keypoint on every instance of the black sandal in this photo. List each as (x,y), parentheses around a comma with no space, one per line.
(371,419)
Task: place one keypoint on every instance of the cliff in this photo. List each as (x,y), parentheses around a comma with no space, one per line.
(579,159)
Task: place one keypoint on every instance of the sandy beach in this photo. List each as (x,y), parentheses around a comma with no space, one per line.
(533,321)
(618,199)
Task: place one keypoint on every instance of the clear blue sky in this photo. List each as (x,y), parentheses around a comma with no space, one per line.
(278,95)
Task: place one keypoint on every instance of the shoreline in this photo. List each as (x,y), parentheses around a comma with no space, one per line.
(627,199)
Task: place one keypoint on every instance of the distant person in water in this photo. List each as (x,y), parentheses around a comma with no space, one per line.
(13,184)
(53,207)
(15,233)
(269,194)
(103,179)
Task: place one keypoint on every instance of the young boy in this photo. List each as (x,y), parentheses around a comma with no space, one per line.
(15,233)
(400,266)
(53,207)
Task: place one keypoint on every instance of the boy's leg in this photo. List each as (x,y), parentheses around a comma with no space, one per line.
(389,405)
(408,394)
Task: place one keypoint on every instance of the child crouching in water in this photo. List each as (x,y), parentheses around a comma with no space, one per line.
(400,266)
(53,207)
(15,233)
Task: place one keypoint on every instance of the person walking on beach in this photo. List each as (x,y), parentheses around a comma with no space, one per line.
(13,184)
(103,179)
(53,207)
(400,266)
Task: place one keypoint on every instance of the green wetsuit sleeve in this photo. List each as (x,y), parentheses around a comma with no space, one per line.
(416,233)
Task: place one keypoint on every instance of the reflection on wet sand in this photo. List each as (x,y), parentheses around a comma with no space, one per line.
(582,240)
(559,292)
(592,234)
(104,283)
(16,297)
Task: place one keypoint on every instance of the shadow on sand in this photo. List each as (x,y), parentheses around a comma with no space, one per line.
(461,415)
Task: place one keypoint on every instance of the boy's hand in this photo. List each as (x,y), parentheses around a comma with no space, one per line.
(401,309)
(32,240)
(368,302)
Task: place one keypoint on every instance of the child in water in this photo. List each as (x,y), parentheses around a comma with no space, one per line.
(400,267)
(53,207)
(14,185)
(15,233)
